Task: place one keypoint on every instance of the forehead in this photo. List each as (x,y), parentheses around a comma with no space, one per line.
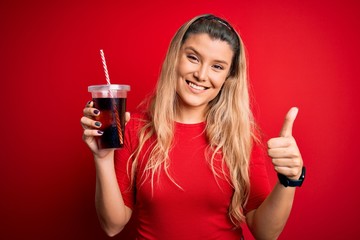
(203,44)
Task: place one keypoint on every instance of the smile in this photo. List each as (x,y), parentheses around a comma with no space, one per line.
(194,86)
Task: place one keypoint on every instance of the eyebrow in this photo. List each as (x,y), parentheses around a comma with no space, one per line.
(197,53)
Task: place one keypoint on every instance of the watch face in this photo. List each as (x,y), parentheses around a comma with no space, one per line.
(302,177)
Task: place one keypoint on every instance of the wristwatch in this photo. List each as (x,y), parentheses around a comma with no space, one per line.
(292,183)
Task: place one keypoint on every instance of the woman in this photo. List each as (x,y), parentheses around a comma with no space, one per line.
(191,165)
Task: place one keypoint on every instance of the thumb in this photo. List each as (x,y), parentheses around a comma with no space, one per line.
(290,117)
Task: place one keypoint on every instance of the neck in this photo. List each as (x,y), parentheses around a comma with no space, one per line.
(185,115)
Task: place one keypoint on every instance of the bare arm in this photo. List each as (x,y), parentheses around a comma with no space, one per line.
(110,207)
(268,221)
(112,212)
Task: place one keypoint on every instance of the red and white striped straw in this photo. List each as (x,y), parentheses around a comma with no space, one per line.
(105,67)
(117,118)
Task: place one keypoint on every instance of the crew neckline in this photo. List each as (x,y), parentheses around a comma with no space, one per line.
(190,125)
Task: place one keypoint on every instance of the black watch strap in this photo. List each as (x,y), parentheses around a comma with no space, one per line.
(292,183)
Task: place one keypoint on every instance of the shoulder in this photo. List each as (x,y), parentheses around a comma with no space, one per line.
(258,153)
(139,114)
(138,119)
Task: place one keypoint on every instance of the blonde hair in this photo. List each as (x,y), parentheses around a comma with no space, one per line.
(229,121)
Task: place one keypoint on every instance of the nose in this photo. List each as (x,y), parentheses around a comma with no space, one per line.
(201,73)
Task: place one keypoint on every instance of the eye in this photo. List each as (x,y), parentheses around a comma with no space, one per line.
(192,58)
(218,67)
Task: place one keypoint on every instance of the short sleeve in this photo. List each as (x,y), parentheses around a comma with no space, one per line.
(123,163)
(259,181)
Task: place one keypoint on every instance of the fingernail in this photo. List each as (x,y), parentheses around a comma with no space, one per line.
(98,124)
(100,132)
(96,111)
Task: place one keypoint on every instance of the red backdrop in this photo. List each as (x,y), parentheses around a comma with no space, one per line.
(301,53)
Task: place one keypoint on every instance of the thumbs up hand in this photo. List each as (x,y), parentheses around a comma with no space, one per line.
(284,151)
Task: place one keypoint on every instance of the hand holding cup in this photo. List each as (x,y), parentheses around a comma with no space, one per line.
(92,129)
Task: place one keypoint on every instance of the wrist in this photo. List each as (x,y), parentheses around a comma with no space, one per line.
(104,159)
(287,182)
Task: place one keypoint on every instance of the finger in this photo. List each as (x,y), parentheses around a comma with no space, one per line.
(88,111)
(286,162)
(89,136)
(280,142)
(127,117)
(89,123)
(290,172)
(89,104)
(283,153)
(286,130)
(92,133)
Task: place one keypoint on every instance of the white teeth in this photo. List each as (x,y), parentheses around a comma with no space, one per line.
(196,86)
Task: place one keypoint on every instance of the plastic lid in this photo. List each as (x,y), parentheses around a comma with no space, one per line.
(107,87)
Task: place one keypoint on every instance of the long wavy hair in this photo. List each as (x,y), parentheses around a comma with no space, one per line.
(229,121)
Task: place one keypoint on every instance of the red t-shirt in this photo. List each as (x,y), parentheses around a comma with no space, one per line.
(197,210)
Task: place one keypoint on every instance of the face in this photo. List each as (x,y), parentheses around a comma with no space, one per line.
(203,67)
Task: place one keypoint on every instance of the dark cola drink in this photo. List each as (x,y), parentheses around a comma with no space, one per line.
(110,100)
(112,112)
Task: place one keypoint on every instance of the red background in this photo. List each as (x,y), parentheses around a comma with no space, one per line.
(301,53)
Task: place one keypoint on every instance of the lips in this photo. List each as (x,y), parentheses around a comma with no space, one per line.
(196,87)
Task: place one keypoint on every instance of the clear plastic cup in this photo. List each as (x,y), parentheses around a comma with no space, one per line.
(110,100)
